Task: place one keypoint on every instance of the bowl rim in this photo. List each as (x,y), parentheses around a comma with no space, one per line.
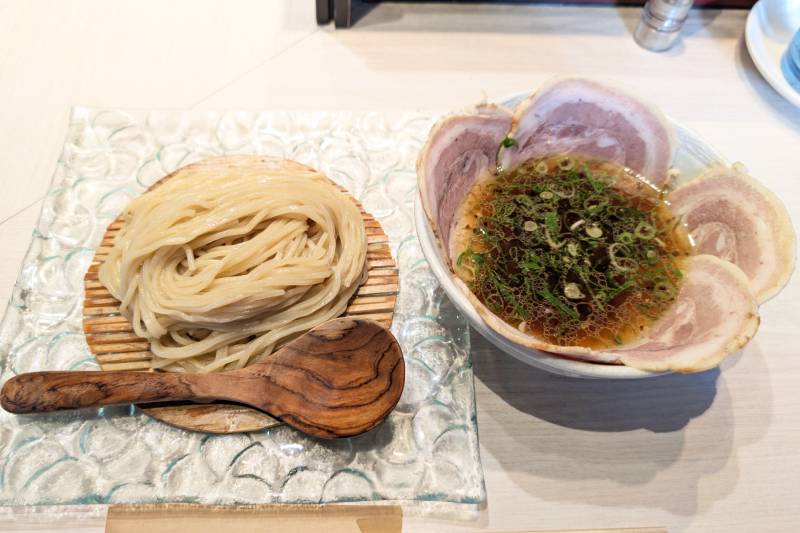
(552,363)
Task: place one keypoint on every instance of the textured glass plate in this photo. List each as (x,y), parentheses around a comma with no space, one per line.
(426,450)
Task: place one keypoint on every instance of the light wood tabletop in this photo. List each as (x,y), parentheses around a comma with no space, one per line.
(712,452)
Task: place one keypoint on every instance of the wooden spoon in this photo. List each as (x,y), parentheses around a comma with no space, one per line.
(340,379)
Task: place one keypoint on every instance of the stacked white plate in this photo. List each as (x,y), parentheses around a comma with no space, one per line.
(770,28)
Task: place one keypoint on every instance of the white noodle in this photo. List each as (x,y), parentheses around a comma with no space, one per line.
(222,263)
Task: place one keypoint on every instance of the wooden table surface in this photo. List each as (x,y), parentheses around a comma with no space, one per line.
(712,452)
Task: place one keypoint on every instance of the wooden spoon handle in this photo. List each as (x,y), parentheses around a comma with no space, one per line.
(39,392)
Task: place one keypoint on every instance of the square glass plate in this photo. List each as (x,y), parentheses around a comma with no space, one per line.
(426,450)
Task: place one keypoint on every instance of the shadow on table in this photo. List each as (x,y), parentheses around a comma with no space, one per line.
(534,19)
(594,405)
(489,18)
(613,443)
(781,109)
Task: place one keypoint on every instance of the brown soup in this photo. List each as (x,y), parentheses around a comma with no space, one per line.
(575,252)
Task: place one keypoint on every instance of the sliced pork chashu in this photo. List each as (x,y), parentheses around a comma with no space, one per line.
(460,149)
(583,117)
(732,216)
(713,315)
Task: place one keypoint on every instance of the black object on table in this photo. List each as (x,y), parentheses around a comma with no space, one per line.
(345,12)
(342,12)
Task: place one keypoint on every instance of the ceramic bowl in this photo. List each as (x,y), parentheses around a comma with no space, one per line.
(692,157)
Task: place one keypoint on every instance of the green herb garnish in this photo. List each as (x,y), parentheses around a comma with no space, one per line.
(551,221)
(565,252)
(558,304)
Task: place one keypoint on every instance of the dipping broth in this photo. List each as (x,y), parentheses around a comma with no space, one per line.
(574,252)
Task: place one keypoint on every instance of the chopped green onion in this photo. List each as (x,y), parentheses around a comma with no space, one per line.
(532,263)
(594,231)
(572,248)
(645,231)
(558,304)
(625,237)
(508,142)
(593,203)
(597,185)
(549,238)
(562,194)
(576,225)
(507,294)
(619,290)
(551,221)
(468,254)
(619,261)
(573,292)
(664,290)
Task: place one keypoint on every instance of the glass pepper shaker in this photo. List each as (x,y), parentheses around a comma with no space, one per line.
(661,23)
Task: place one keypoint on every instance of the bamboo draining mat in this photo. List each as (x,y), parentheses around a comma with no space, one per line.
(116,347)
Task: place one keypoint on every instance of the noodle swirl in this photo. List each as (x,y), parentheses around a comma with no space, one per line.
(232,257)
